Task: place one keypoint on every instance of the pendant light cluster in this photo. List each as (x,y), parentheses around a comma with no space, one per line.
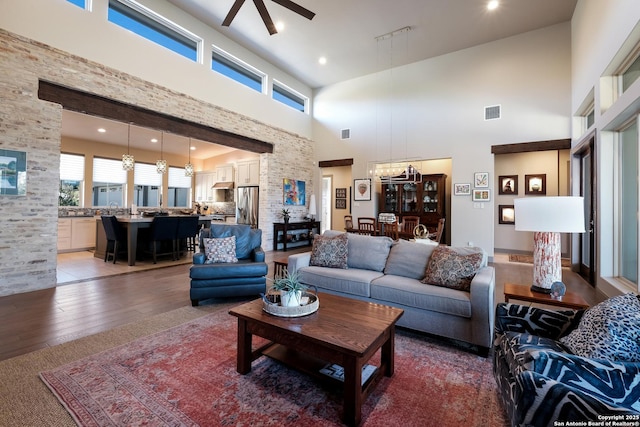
(128,162)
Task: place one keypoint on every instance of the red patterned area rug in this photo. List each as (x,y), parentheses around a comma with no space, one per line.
(186,376)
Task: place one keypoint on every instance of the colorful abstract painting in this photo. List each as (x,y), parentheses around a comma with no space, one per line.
(294,192)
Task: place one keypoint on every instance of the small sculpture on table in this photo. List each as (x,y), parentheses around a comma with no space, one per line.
(558,289)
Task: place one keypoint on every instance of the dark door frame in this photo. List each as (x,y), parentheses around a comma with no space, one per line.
(586,150)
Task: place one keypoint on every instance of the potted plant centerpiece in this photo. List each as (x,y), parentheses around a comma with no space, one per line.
(290,289)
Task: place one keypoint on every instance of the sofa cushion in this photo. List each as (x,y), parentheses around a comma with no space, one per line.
(412,293)
(408,259)
(220,250)
(450,269)
(352,281)
(609,330)
(329,251)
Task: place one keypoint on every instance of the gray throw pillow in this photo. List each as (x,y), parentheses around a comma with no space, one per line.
(408,259)
(609,330)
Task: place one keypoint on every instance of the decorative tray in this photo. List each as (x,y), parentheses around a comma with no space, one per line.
(271,304)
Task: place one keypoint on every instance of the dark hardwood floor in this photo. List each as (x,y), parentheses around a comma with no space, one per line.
(35,320)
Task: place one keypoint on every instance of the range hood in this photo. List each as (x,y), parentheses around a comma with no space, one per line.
(222,186)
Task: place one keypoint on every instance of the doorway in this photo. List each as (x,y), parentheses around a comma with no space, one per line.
(587,252)
(327,185)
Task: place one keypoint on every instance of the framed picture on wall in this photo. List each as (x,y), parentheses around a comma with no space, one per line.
(294,192)
(481,195)
(508,184)
(13,173)
(506,214)
(463,189)
(535,184)
(341,193)
(363,189)
(481,180)
(341,203)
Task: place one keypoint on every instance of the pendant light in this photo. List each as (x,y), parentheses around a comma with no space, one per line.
(188,168)
(161,165)
(127,159)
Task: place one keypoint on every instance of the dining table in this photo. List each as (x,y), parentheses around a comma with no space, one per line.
(133,223)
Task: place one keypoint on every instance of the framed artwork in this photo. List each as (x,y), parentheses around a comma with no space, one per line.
(462,189)
(13,173)
(481,180)
(363,189)
(294,192)
(341,193)
(341,203)
(506,214)
(508,184)
(535,184)
(481,195)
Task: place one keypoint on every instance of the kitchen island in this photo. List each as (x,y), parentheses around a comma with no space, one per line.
(132,223)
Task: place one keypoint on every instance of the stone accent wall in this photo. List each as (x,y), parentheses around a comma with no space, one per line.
(28,231)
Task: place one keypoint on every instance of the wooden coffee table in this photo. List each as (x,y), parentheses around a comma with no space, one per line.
(343,331)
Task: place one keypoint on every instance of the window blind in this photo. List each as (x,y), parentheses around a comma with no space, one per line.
(177,178)
(145,174)
(107,170)
(71,167)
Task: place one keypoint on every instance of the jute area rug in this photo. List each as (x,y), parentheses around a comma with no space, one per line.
(528,259)
(185,375)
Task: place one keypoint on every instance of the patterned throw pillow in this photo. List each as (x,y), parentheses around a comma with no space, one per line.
(609,330)
(451,270)
(220,250)
(329,251)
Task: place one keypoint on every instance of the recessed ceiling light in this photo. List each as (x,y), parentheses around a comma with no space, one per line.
(193,148)
(322,60)
(102,130)
(154,140)
(279,26)
(493,4)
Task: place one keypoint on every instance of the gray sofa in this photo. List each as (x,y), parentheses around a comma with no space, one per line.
(385,272)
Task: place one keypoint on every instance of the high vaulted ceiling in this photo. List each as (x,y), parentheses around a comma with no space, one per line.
(345,31)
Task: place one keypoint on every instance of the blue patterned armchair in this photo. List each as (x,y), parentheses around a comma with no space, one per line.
(540,381)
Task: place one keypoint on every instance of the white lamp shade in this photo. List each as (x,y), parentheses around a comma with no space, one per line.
(312,205)
(562,214)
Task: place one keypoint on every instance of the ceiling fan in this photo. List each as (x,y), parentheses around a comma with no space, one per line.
(264,13)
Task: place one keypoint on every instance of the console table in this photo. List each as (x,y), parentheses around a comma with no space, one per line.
(301,234)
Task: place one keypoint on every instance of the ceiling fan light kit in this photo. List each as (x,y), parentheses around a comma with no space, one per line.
(264,13)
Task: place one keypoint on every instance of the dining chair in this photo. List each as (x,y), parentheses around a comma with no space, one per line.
(437,235)
(409,223)
(348,222)
(116,237)
(367,226)
(391,229)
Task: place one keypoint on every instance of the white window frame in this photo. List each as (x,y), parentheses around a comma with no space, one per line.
(293,92)
(241,64)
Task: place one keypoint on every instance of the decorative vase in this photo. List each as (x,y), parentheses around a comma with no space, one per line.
(285,219)
(290,298)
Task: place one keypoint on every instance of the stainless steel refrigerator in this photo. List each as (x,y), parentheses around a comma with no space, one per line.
(247,206)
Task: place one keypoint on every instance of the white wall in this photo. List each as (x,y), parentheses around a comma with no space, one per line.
(65,26)
(438,112)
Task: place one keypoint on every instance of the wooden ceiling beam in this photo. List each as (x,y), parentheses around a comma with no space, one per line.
(527,147)
(95,105)
(335,163)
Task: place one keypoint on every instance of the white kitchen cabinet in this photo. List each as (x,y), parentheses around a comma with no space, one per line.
(64,234)
(83,233)
(204,181)
(248,173)
(224,173)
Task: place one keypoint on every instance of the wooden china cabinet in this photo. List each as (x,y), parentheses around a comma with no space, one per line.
(425,199)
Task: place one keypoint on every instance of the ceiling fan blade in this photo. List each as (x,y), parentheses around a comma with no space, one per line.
(232,13)
(296,8)
(266,18)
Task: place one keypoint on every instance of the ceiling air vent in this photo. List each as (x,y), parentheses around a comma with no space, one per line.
(492,112)
(345,134)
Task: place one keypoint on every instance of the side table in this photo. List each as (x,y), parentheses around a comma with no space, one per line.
(523,293)
(279,267)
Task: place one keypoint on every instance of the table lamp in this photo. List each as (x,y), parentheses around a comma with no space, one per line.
(312,207)
(547,217)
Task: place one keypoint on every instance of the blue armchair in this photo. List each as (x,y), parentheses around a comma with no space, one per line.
(541,382)
(246,277)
